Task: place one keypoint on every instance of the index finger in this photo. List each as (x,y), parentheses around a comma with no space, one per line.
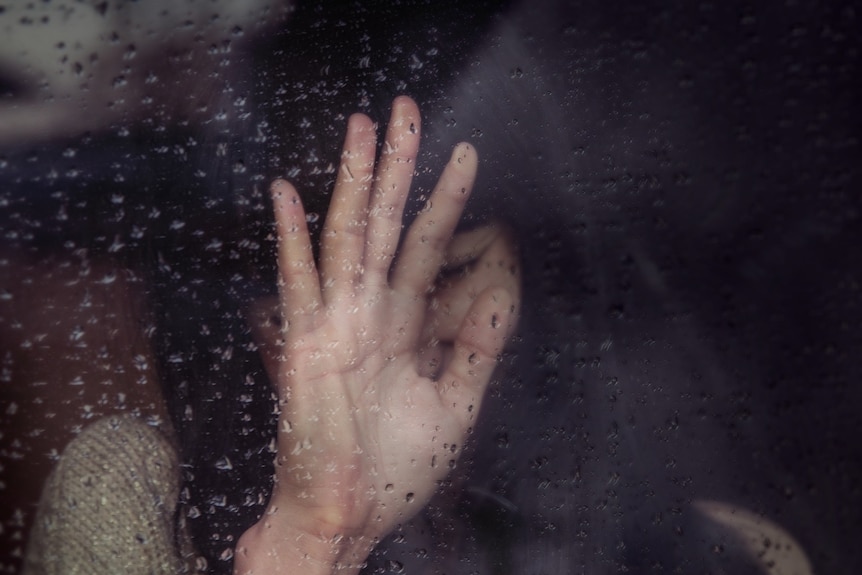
(425,245)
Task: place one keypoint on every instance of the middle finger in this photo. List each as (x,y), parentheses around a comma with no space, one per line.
(391,187)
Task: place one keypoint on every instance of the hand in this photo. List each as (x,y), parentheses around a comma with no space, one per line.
(475,260)
(364,437)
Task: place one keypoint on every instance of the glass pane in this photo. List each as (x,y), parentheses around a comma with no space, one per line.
(680,393)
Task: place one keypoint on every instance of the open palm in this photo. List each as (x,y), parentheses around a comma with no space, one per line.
(364,437)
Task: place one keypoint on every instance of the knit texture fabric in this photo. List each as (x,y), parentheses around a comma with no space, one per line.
(109,505)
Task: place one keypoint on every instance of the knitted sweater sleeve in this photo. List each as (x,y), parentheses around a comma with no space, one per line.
(109,505)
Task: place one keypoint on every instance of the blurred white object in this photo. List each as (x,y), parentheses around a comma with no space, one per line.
(770,544)
(73,66)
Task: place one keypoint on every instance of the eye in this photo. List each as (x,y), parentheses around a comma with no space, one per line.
(448,274)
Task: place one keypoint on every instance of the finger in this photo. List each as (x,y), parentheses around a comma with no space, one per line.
(343,239)
(391,186)
(425,245)
(298,285)
(477,345)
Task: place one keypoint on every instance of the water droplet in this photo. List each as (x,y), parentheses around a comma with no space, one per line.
(389,488)
(409,498)
(224,464)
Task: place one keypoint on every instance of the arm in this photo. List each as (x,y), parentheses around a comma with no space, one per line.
(366,434)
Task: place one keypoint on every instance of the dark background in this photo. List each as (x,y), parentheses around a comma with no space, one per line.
(683,181)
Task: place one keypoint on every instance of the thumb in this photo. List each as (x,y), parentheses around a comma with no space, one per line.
(477,345)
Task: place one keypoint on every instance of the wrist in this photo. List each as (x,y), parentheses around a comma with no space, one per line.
(276,545)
